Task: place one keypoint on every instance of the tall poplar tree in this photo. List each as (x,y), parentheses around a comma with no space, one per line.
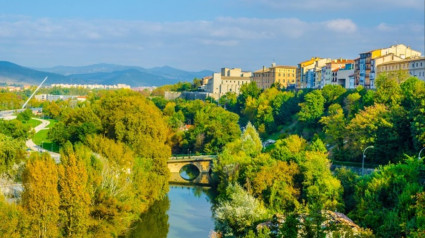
(74,197)
(40,198)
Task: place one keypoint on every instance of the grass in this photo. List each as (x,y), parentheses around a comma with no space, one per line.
(41,139)
(52,123)
(33,123)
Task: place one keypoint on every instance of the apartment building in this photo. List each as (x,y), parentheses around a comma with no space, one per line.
(330,70)
(275,74)
(366,64)
(417,68)
(307,72)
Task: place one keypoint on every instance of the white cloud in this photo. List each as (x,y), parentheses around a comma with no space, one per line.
(241,42)
(341,25)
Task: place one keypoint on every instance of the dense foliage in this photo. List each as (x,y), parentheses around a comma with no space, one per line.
(112,169)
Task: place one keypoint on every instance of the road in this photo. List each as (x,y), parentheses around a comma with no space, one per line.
(32,146)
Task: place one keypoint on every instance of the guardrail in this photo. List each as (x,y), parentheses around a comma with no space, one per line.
(191,157)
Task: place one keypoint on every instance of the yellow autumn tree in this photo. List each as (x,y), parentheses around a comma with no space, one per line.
(74,197)
(40,198)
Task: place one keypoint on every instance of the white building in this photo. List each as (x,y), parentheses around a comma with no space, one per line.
(228,80)
(50,97)
(417,68)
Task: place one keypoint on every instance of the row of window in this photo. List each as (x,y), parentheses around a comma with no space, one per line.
(418,64)
(420,74)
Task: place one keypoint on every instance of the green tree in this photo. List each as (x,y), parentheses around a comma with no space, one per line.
(239,212)
(334,127)
(25,115)
(15,129)
(388,90)
(362,130)
(11,152)
(312,108)
(332,93)
(386,200)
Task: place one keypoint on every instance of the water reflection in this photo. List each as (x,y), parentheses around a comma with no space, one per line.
(154,223)
(185,212)
(189,172)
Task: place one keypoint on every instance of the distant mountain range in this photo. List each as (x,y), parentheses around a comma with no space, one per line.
(97,74)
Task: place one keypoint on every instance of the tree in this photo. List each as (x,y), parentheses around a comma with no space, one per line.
(40,198)
(386,200)
(15,129)
(129,117)
(320,188)
(239,212)
(239,159)
(11,152)
(352,104)
(312,108)
(25,115)
(289,149)
(229,100)
(275,184)
(332,93)
(11,219)
(362,130)
(76,125)
(334,126)
(74,196)
(388,90)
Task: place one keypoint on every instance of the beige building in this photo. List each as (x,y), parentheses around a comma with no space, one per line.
(413,66)
(228,80)
(275,74)
(393,66)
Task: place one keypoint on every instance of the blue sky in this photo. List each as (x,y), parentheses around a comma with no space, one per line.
(203,34)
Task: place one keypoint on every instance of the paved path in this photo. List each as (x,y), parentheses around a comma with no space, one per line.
(32,146)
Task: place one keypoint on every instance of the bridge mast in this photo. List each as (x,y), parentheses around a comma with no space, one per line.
(32,95)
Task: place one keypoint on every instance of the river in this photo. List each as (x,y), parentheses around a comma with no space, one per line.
(184,213)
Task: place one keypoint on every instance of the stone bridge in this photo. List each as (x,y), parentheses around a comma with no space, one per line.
(202,162)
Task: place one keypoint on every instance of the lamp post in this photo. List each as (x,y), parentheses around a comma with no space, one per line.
(419,155)
(364,157)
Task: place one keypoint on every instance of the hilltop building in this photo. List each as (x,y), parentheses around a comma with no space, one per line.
(413,66)
(275,74)
(336,72)
(308,72)
(417,68)
(366,64)
(228,80)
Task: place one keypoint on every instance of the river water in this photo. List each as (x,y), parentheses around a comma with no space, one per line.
(184,213)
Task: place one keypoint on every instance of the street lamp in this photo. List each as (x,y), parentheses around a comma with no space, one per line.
(419,156)
(364,157)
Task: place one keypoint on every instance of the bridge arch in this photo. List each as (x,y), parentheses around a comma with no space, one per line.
(202,163)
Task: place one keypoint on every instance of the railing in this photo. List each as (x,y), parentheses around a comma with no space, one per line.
(190,156)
